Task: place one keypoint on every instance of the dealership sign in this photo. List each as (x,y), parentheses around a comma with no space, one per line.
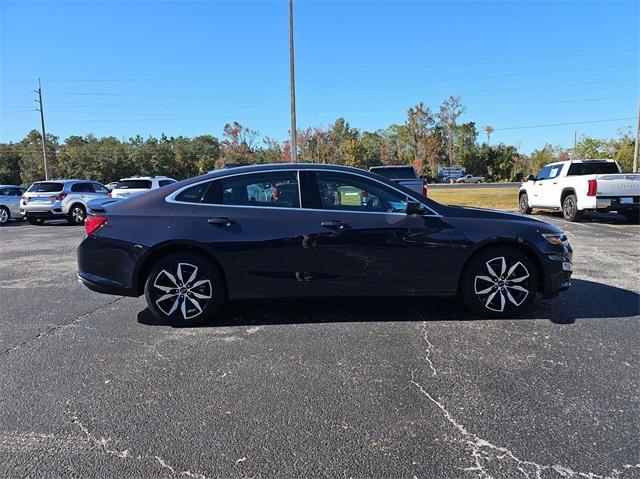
(451,171)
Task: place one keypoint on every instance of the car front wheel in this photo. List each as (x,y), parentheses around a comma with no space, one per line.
(499,282)
(523,204)
(185,289)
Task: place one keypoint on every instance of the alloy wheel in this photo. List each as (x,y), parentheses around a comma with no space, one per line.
(182,292)
(503,284)
(4,216)
(523,203)
(569,208)
(77,214)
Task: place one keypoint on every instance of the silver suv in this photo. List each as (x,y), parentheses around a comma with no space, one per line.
(54,199)
(10,202)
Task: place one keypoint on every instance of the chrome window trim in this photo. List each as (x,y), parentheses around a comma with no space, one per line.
(171,198)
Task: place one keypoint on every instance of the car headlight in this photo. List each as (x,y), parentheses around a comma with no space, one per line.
(559,239)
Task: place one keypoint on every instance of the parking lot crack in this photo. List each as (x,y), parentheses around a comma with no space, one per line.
(104,444)
(484,452)
(44,334)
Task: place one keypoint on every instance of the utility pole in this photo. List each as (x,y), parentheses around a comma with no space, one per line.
(294,146)
(44,138)
(635,151)
(575,145)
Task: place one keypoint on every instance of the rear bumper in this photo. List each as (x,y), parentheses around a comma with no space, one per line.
(51,214)
(617,203)
(103,285)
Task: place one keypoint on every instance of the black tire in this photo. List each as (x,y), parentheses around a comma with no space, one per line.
(570,210)
(35,221)
(208,290)
(498,295)
(77,215)
(633,217)
(523,204)
(5,215)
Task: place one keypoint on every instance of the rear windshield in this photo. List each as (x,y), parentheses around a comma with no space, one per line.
(599,168)
(45,187)
(395,173)
(133,185)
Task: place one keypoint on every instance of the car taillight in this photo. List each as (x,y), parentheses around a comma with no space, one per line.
(276,193)
(425,187)
(92,223)
(593,187)
(59,197)
(109,195)
(24,198)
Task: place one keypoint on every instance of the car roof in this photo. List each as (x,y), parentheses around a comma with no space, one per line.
(144,178)
(59,180)
(11,186)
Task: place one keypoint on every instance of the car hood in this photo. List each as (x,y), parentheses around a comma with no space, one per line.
(484,214)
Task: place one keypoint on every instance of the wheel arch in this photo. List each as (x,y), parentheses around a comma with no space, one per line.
(514,243)
(566,192)
(77,203)
(166,249)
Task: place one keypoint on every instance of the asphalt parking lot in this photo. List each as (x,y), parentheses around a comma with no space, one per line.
(92,386)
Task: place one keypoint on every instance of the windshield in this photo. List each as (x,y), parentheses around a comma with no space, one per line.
(133,185)
(395,173)
(596,168)
(45,187)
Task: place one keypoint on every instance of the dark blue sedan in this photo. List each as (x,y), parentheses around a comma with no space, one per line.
(302,230)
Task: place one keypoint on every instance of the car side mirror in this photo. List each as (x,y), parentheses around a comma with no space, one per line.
(531,178)
(415,208)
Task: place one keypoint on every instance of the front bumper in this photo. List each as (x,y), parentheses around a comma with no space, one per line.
(558,268)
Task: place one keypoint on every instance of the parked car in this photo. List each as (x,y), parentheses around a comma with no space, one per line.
(582,185)
(10,202)
(470,179)
(112,185)
(56,199)
(191,246)
(403,175)
(127,187)
(449,179)
(97,205)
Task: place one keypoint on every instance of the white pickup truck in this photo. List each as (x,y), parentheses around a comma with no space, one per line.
(582,185)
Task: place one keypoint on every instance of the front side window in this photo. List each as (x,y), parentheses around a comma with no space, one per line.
(555,171)
(544,173)
(98,188)
(345,192)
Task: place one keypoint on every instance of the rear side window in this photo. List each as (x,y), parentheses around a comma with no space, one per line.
(193,194)
(47,187)
(596,168)
(10,192)
(273,189)
(82,188)
(395,173)
(133,185)
(165,182)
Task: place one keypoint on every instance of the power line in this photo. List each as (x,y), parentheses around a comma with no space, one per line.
(564,124)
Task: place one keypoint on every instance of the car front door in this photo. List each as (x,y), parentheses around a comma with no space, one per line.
(363,242)
(552,190)
(537,192)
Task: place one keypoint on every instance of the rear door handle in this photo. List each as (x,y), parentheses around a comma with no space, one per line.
(334,225)
(219,221)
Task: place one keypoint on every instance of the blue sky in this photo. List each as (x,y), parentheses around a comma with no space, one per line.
(187,68)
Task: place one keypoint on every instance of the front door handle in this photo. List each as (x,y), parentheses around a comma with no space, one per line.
(219,221)
(334,225)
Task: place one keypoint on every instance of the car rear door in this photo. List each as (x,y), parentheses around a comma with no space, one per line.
(363,242)
(261,239)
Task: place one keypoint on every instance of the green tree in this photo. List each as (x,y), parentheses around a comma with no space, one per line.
(9,164)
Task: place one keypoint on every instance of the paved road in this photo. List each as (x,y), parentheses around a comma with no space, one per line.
(442,186)
(92,386)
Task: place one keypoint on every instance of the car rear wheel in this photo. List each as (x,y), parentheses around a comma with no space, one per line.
(4,215)
(570,210)
(77,215)
(523,204)
(499,282)
(35,221)
(185,289)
